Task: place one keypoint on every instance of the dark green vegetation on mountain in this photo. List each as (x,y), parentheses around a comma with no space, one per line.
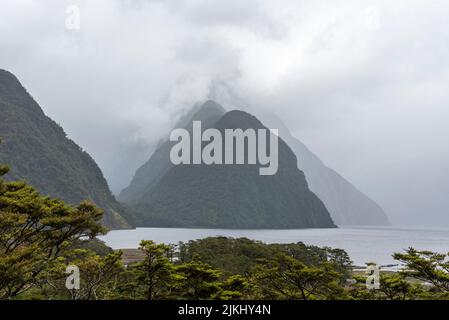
(39,152)
(347,205)
(41,236)
(159,164)
(224,196)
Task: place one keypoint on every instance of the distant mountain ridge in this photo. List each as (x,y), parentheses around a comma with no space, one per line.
(39,152)
(347,205)
(226,196)
(152,171)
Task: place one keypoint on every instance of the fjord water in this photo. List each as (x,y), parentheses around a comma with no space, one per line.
(363,244)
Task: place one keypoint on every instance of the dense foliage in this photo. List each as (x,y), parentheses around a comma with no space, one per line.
(40,153)
(35,233)
(225,196)
(40,237)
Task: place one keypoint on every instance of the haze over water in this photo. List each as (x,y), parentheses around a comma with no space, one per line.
(363,244)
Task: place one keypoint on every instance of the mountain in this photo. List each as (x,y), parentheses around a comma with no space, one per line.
(39,152)
(347,205)
(225,196)
(159,164)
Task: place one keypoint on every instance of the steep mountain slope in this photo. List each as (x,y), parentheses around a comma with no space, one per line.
(159,164)
(347,205)
(39,152)
(231,196)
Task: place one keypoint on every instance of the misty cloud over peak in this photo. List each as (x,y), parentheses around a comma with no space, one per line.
(363,84)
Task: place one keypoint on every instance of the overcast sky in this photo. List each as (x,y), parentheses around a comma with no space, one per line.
(365,84)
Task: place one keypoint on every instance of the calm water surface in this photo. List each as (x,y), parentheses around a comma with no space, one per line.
(363,244)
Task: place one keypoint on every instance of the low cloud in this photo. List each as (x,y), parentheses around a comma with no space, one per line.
(364,85)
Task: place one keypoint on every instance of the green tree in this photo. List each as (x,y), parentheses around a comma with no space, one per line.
(396,287)
(98,276)
(233,288)
(239,256)
(35,231)
(393,286)
(287,278)
(427,267)
(197,281)
(155,272)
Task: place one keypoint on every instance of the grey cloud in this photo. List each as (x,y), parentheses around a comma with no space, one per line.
(363,84)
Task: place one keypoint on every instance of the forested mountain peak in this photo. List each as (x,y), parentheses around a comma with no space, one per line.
(39,152)
(226,196)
